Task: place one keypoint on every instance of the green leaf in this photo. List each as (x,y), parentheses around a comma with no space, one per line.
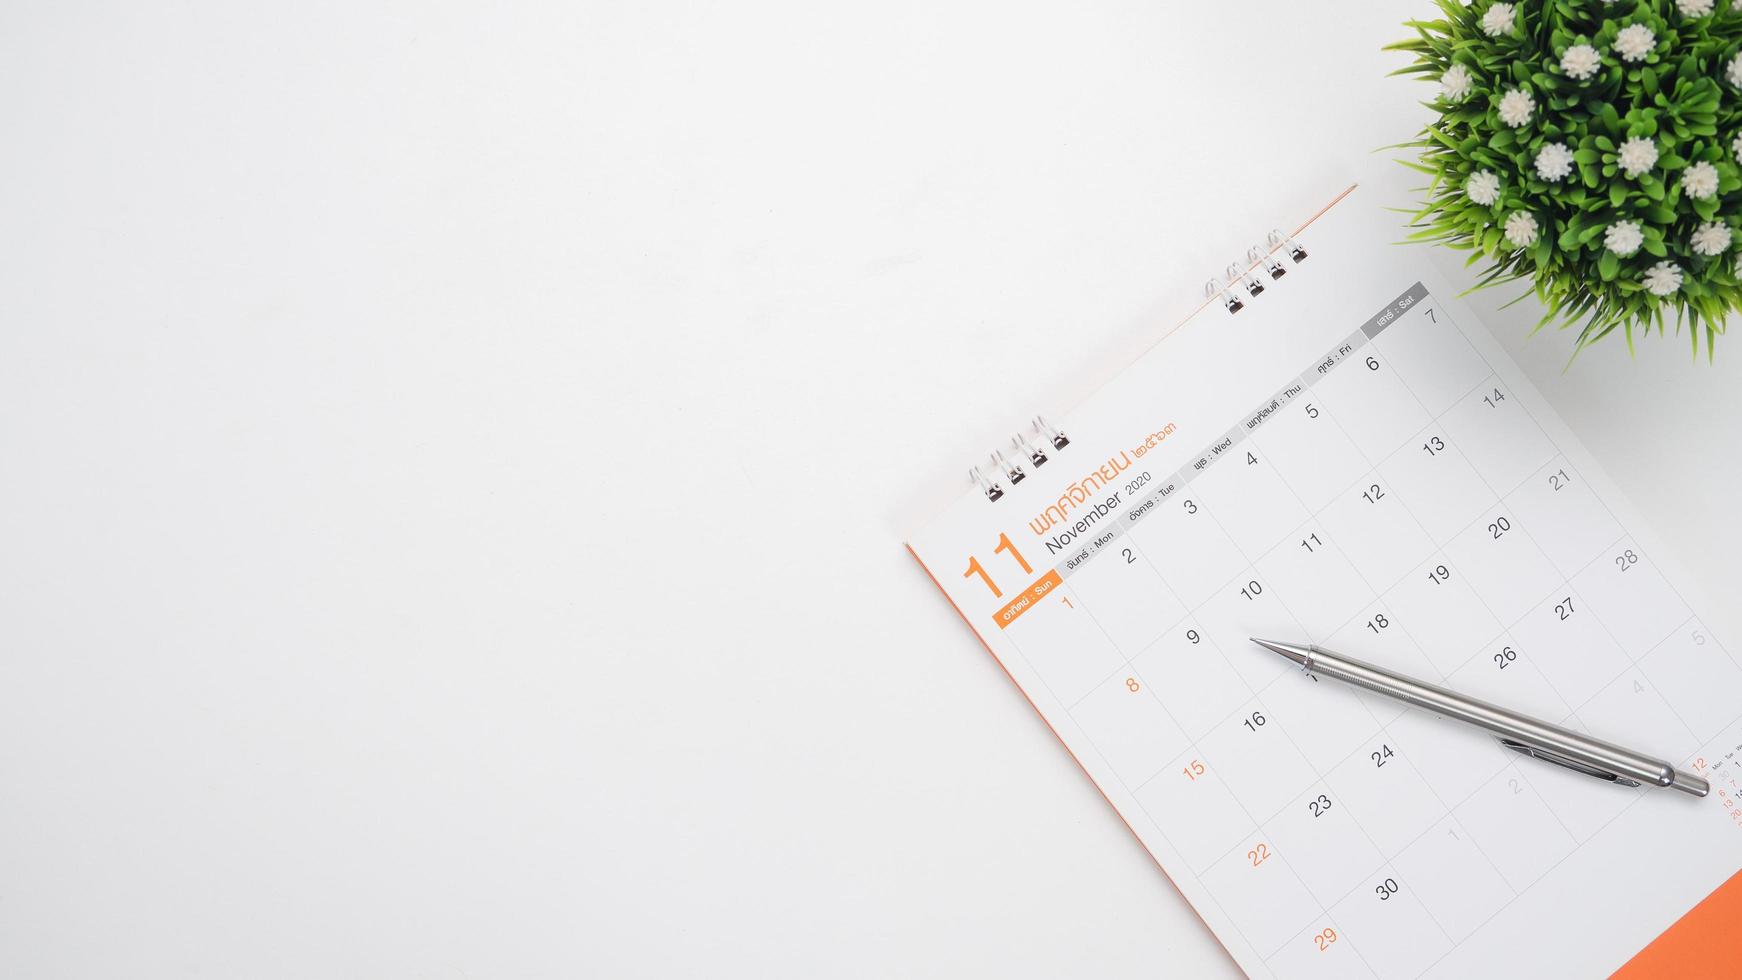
(1676,98)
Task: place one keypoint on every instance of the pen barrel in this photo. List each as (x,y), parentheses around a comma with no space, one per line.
(1507,724)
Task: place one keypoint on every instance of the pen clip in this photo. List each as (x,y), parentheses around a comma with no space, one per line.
(1563,761)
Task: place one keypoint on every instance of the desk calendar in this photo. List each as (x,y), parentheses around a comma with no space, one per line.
(1333,450)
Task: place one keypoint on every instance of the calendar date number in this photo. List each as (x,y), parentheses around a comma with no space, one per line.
(1005,546)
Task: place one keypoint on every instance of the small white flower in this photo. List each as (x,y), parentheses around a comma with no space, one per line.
(1520,228)
(1516,107)
(1499,20)
(1456,83)
(1700,180)
(1581,61)
(1736,147)
(1483,187)
(1733,70)
(1694,8)
(1623,237)
(1636,156)
(1635,42)
(1663,278)
(1553,162)
(1711,238)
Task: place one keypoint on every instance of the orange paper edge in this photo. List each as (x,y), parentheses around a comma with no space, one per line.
(1055,734)
(1701,944)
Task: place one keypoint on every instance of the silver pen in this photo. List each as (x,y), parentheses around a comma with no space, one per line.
(1520,733)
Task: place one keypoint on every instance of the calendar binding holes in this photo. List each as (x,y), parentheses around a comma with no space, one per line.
(1240,282)
(1029,450)
(1248,277)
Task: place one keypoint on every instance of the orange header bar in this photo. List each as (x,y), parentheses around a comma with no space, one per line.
(1031,595)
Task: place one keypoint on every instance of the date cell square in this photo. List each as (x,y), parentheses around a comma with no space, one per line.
(1324,843)
(1505,673)
(1456,759)
(1390,926)
(1311,452)
(1372,403)
(1510,823)
(1315,579)
(1631,712)
(1249,499)
(1582,804)
(1432,356)
(1498,436)
(1194,810)
(1312,955)
(1126,596)
(1065,646)
(1437,484)
(1257,759)
(1261,893)
(1130,727)
(1376,531)
(1192,680)
(1570,647)
(1697,678)
(1503,565)
(1379,636)
(1326,720)
(1566,519)
(1188,548)
(1246,607)
(1631,597)
(1441,610)
(1386,794)
(1456,883)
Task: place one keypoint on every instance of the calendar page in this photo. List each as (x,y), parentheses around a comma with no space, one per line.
(1351,460)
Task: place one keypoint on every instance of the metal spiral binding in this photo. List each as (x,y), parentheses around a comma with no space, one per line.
(1244,277)
(1035,448)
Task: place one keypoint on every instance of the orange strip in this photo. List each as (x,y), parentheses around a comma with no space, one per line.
(1026,600)
(1067,748)
(1701,944)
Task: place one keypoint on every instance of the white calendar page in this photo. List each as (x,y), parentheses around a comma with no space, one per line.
(1352,460)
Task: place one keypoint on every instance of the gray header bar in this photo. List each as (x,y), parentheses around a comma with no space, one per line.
(1410,297)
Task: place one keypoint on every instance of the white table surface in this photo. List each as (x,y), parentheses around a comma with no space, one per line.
(454,460)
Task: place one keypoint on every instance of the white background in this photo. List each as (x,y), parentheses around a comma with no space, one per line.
(454,459)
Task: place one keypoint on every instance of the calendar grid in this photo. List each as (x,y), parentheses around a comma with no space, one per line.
(1256,695)
(1126,666)
(1258,548)
(1385,732)
(1437,421)
(1319,779)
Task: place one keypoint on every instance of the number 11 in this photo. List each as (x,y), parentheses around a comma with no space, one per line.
(1004,544)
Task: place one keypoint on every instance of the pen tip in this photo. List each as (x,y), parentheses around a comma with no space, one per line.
(1294,652)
